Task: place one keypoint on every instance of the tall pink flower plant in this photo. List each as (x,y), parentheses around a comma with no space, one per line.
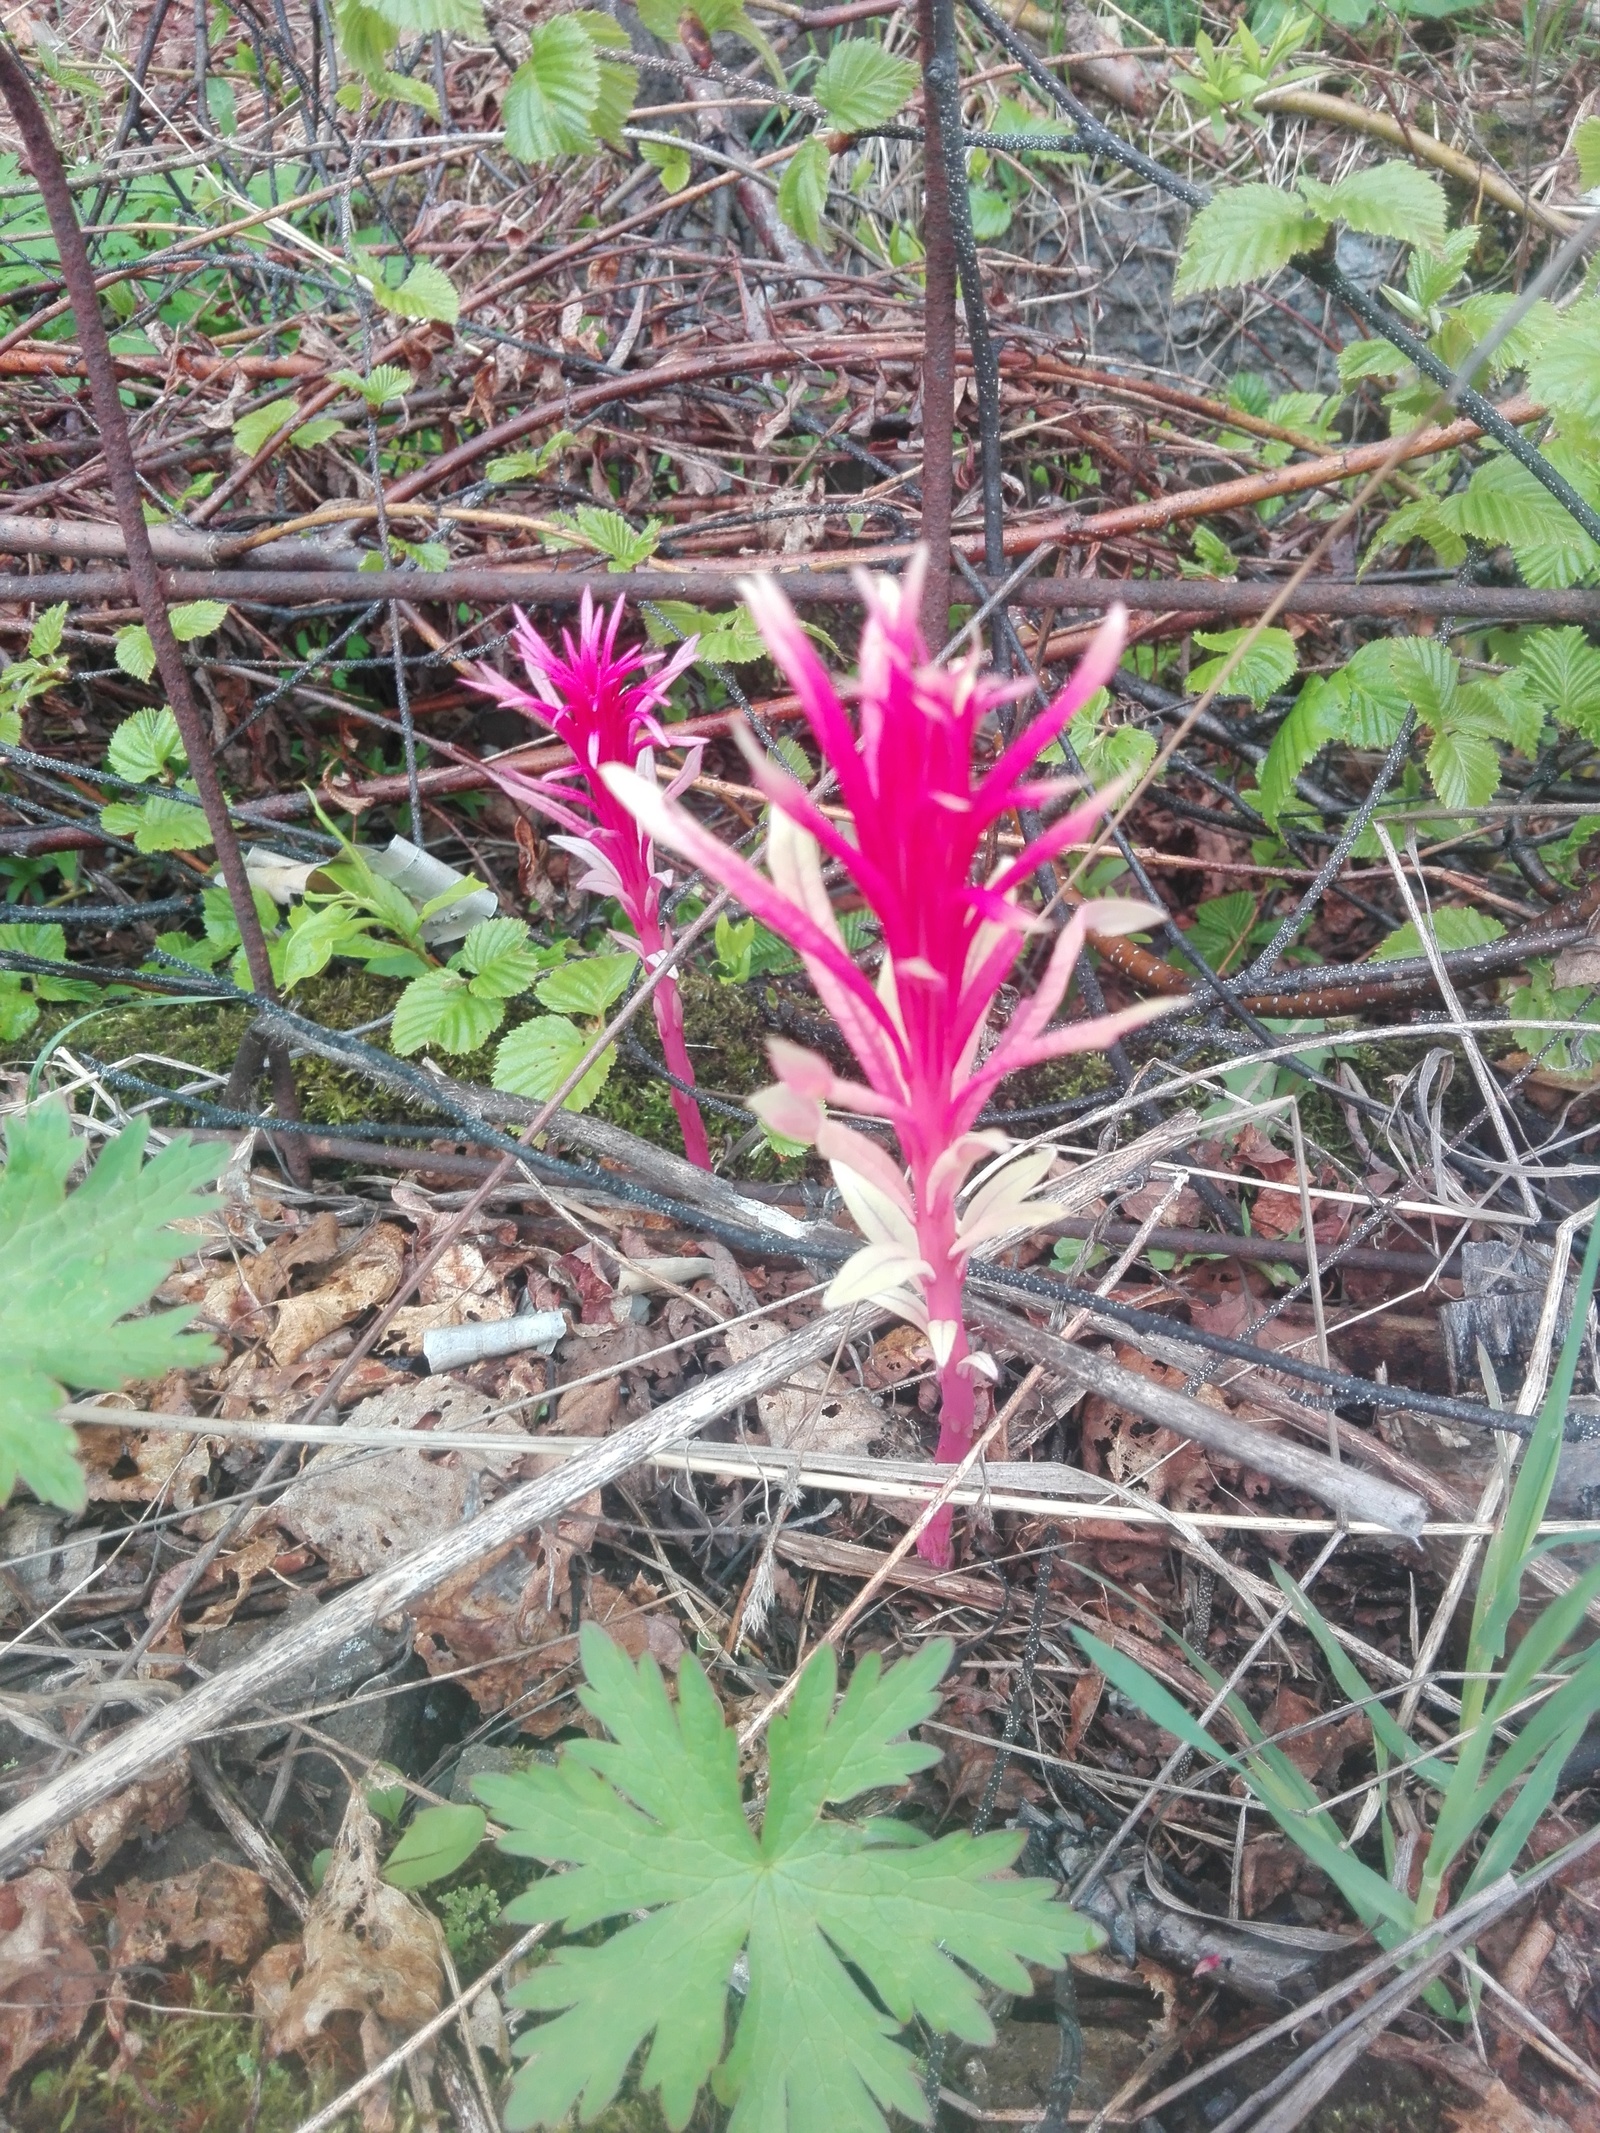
(588,696)
(920,813)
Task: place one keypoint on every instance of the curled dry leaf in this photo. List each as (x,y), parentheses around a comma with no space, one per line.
(359,1514)
(158,1802)
(366,1950)
(235,1300)
(48,1973)
(369,1275)
(219,1907)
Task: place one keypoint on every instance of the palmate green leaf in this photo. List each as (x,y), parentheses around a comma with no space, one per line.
(1245,233)
(386,382)
(72,1268)
(860,84)
(803,189)
(1391,199)
(653,1820)
(623,546)
(1267,666)
(550,100)
(536,1059)
(1452,928)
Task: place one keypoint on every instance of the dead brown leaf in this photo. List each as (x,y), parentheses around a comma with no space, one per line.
(235,1299)
(369,1275)
(816,1409)
(1315,1748)
(1501,2112)
(158,1802)
(366,1950)
(48,1973)
(219,1907)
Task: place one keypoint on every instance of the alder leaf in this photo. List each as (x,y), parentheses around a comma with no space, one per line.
(803,189)
(1245,234)
(1316,719)
(426,292)
(1452,928)
(72,1267)
(860,84)
(146,746)
(1267,666)
(441,1008)
(653,1820)
(550,100)
(536,1059)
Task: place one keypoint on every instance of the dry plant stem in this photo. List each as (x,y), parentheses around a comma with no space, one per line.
(105,399)
(1016,1405)
(939,328)
(219,1699)
(386,2069)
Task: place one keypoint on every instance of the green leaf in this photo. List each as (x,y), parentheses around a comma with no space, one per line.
(387,382)
(1504,503)
(366,38)
(199,618)
(990,212)
(426,292)
(589,986)
(146,746)
(653,1820)
(1586,147)
(439,1840)
(550,100)
(134,652)
(619,92)
(251,431)
(1464,768)
(1564,667)
(728,639)
(1452,928)
(45,639)
(159,824)
(536,1059)
(859,84)
(311,434)
(1222,928)
(1369,359)
(1420,669)
(1392,199)
(400,89)
(1244,234)
(616,540)
(442,1008)
(525,465)
(1565,373)
(423,17)
(1268,666)
(501,955)
(71,1270)
(672,163)
(1317,718)
(803,189)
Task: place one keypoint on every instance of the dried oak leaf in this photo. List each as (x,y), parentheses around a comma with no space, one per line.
(366,1949)
(219,1906)
(367,1276)
(48,1973)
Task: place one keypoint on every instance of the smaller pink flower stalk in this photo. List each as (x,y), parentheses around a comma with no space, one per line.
(587,700)
(919,821)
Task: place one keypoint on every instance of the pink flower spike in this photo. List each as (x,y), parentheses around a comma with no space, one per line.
(601,702)
(920,809)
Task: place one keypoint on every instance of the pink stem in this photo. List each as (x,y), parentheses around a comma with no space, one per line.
(957,1396)
(668,1004)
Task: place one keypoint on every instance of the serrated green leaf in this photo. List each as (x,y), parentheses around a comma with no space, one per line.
(1317,719)
(1503,503)
(859,84)
(728,639)
(196,619)
(1267,666)
(1564,667)
(990,212)
(442,1008)
(550,100)
(671,163)
(310,434)
(366,38)
(439,1840)
(803,189)
(251,431)
(423,17)
(1464,768)
(1245,233)
(387,382)
(317,933)
(619,92)
(405,89)
(133,651)
(1369,359)
(1586,147)
(426,292)
(45,637)
(536,1059)
(1392,199)
(1565,373)
(71,1270)
(1452,928)
(608,531)
(588,986)
(653,1819)
(157,825)
(146,746)
(501,955)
